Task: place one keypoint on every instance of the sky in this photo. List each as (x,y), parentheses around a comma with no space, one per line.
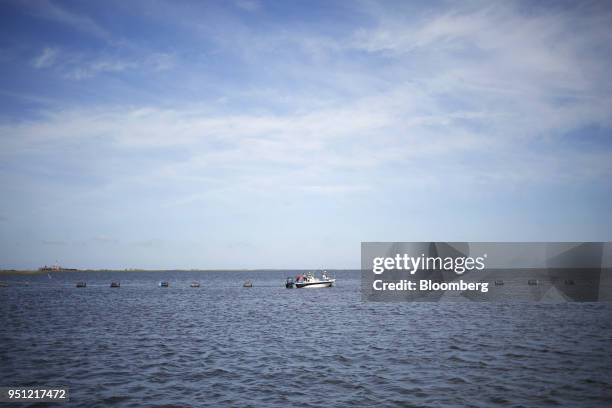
(282,134)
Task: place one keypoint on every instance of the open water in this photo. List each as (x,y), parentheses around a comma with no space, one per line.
(225,345)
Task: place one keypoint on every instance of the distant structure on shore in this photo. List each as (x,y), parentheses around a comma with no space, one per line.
(55,268)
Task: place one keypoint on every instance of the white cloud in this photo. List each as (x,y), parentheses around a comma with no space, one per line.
(85,70)
(51,11)
(462,94)
(80,66)
(46,58)
(341,150)
(248,5)
(160,61)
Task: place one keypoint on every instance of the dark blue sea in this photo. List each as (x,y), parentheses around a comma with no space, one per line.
(225,345)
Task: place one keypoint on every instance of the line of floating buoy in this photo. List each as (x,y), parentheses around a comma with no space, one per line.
(116,284)
(249,284)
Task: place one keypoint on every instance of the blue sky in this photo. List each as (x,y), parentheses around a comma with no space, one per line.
(253,134)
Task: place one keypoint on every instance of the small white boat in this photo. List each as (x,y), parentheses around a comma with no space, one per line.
(311,281)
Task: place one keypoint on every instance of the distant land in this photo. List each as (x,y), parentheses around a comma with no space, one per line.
(45,271)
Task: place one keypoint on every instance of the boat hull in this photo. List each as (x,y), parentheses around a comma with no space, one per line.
(321,284)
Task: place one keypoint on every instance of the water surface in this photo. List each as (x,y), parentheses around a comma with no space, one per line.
(223,344)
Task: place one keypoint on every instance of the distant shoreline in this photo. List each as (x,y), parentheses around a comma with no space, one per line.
(44,272)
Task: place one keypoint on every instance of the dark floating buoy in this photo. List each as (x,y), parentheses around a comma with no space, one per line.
(533,282)
(248,284)
(164,284)
(195,284)
(570,282)
(290,283)
(115,285)
(81,284)
(499,282)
